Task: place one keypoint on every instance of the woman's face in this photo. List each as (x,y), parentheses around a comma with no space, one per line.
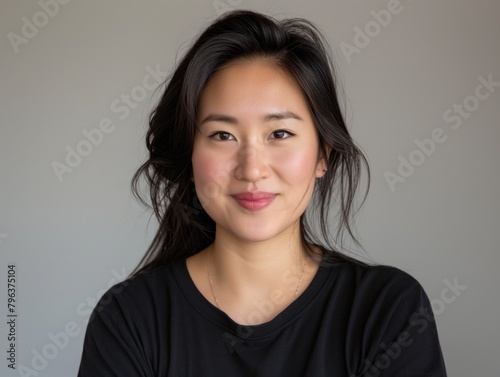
(255,156)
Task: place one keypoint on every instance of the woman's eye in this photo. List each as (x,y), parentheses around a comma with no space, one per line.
(281,134)
(221,136)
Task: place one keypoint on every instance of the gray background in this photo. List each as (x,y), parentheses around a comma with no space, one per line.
(71,238)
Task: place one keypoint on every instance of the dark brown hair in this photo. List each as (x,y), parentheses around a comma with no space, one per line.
(298,48)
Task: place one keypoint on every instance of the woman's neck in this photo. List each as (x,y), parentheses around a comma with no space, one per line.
(239,267)
(254,281)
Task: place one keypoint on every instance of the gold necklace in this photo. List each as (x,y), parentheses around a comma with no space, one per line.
(212,284)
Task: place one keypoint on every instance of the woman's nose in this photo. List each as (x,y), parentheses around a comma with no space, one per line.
(251,164)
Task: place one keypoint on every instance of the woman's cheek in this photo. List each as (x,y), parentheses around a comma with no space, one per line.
(211,176)
(298,165)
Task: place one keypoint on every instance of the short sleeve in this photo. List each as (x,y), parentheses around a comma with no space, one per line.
(112,344)
(400,337)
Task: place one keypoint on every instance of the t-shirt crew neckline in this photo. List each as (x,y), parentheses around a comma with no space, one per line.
(249,332)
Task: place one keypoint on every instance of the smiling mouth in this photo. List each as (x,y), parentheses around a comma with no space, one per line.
(254,201)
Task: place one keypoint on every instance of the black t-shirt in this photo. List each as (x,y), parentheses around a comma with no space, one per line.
(352,320)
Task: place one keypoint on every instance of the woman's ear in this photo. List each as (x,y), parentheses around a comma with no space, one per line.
(322,165)
(321,168)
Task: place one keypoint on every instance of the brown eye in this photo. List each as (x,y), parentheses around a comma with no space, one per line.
(281,134)
(222,136)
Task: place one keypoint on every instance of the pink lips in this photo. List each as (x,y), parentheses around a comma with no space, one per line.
(254,201)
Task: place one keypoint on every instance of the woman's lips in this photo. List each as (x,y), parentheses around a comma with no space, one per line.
(254,201)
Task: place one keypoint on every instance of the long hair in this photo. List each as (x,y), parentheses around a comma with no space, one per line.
(297,47)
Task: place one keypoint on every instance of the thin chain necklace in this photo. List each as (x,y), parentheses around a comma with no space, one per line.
(212,284)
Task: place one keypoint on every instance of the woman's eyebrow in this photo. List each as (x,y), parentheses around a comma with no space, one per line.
(281,115)
(215,117)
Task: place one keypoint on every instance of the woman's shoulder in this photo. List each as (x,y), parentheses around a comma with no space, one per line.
(128,320)
(376,286)
(139,293)
(143,281)
(376,293)
(387,313)
(387,275)
(371,275)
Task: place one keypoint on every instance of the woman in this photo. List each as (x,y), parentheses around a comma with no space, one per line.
(248,132)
